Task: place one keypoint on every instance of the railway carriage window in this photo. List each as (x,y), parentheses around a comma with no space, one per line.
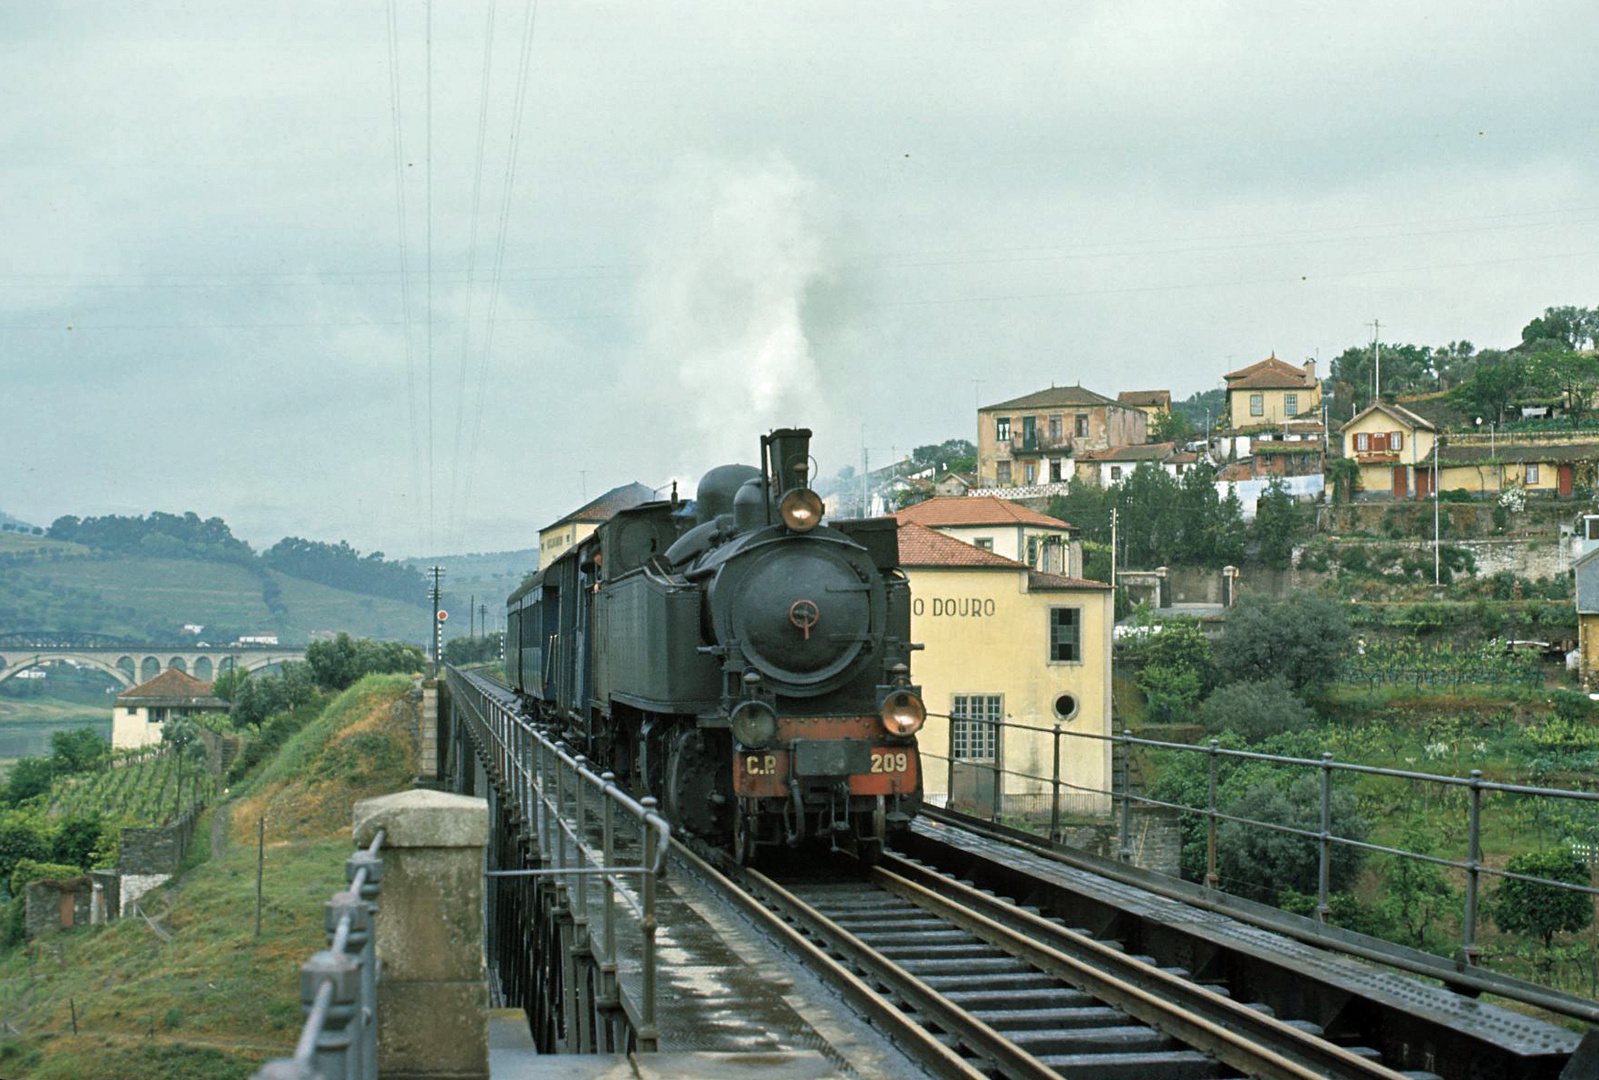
(1002,429)
(1065,635)
(974,726)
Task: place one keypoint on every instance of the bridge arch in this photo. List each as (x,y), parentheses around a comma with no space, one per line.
(202,668)
(177,663)
(257,663)
(129,667)
(149,668)
(95,662)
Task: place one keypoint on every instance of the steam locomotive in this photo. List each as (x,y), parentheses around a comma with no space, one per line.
(737,658)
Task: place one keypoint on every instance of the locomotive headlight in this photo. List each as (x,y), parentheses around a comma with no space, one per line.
(754,724)
(903,713)
(801,509)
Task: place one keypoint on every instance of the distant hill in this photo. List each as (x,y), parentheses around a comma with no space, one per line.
(9,524)
(490,577)
(51,585)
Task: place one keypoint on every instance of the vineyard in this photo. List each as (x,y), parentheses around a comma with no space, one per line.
(1407,662)
(140,789)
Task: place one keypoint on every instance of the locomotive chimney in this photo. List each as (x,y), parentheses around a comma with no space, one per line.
(789,451)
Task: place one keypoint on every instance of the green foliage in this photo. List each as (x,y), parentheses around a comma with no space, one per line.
(1279,521)
(1342,473)
(1416,895)
(28,777)
(20,838)
(227,684)
(170,536)
(1176,669)
(342,567)
(951,455)
(1539,910)
(1400,661)
(1302,640)
(77,841)
(473,650)
(256,699)
(1173,426)
(28,871)
(1255,710)
(340,663)
(78,750)
(1161,520)
(1262,863)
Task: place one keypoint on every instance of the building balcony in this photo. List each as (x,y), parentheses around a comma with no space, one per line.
(1040,444)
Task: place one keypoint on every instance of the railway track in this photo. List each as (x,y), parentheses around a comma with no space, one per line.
(972,985)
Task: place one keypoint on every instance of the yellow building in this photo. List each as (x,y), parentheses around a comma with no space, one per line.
(1272,392)
(1542,470)
(1006,643)
(1393,448)
(1586,569)
(558,537)
(1152,403)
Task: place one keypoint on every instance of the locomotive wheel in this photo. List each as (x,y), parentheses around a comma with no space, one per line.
(697,779)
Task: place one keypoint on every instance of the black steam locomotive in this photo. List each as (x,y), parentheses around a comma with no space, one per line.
(737,658)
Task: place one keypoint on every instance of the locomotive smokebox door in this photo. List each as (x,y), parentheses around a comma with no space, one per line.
(831,757)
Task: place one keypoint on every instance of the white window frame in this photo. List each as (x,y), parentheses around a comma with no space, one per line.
(1257,404)
(974,726)
(1531,475)
(1002,429)
(1290,404)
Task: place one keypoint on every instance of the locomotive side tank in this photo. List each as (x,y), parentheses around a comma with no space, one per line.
(747,663)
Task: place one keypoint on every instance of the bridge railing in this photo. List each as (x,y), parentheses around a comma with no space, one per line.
(338,986)
(988,785)
(589,832)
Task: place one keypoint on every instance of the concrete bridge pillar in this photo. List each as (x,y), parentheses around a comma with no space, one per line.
(433,996)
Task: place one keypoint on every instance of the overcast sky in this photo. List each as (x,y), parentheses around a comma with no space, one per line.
(723,217)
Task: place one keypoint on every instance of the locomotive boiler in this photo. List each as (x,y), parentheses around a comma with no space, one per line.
(738,657)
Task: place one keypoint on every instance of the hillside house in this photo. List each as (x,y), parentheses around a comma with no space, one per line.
(1109,467)
(1272,392)
(1007,529)
(1152,403)
(1031,439)
(138,714)
(1392,447)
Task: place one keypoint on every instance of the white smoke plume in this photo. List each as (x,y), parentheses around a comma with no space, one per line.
(726,351)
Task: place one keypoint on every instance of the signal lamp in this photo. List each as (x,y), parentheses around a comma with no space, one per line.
(903,713)
(801,509)
(754,724)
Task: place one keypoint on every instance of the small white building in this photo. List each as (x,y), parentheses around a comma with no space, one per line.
(138,714)
(258,639)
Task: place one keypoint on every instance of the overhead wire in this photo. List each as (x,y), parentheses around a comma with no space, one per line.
(400,217)
(524,66)
(471,267)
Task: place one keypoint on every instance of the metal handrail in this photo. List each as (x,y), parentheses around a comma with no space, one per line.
(573,812)
(338,986)
(1472,864)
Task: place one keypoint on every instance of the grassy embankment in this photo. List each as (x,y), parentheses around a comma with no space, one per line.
(216,1000)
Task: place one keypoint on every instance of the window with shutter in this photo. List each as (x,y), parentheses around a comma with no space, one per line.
(1396,440)
(1362,442)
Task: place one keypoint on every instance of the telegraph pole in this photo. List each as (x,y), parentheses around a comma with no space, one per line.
(483,619)
(438,627)
(1376,347)
(471,610)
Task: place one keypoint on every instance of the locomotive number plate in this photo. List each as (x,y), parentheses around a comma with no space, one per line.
(830,757)
(890,761)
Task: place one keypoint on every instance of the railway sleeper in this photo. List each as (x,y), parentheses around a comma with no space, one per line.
(1019,1000)
(1154,1065)
(1042,1018)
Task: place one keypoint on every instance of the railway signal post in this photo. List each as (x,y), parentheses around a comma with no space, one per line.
(439,615)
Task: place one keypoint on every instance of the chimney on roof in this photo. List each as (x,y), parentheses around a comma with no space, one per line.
(1310,367)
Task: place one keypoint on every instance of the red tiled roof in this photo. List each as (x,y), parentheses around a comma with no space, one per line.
(1037,581)
(1161,451)
(921,546)
(975,510)
(171,683)
(606,506)
(1062,396)
(1270,373)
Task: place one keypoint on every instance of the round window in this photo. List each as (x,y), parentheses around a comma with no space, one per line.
(1065,707)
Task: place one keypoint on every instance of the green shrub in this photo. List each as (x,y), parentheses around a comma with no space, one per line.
(1255,710)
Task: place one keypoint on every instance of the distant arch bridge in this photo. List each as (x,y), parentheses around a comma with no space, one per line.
(131,663)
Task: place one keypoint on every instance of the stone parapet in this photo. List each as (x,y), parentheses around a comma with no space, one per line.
(433,997)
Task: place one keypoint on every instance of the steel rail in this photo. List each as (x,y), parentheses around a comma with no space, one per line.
(902,1029)
(1235,1034)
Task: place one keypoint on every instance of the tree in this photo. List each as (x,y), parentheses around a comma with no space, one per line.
(1539,910)
(76,841)
(78,750)
(20,838)
(951,455)
(1278,522)
(1227,545)
(1255,710)
(1176,668)
(1344,474)
(1302,640)
(226,686)
(1171,426)
(1496,381)
(1569,376)
(1199,508)
(1571,328)
(1263,864)
(30,776)
(1416,895)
